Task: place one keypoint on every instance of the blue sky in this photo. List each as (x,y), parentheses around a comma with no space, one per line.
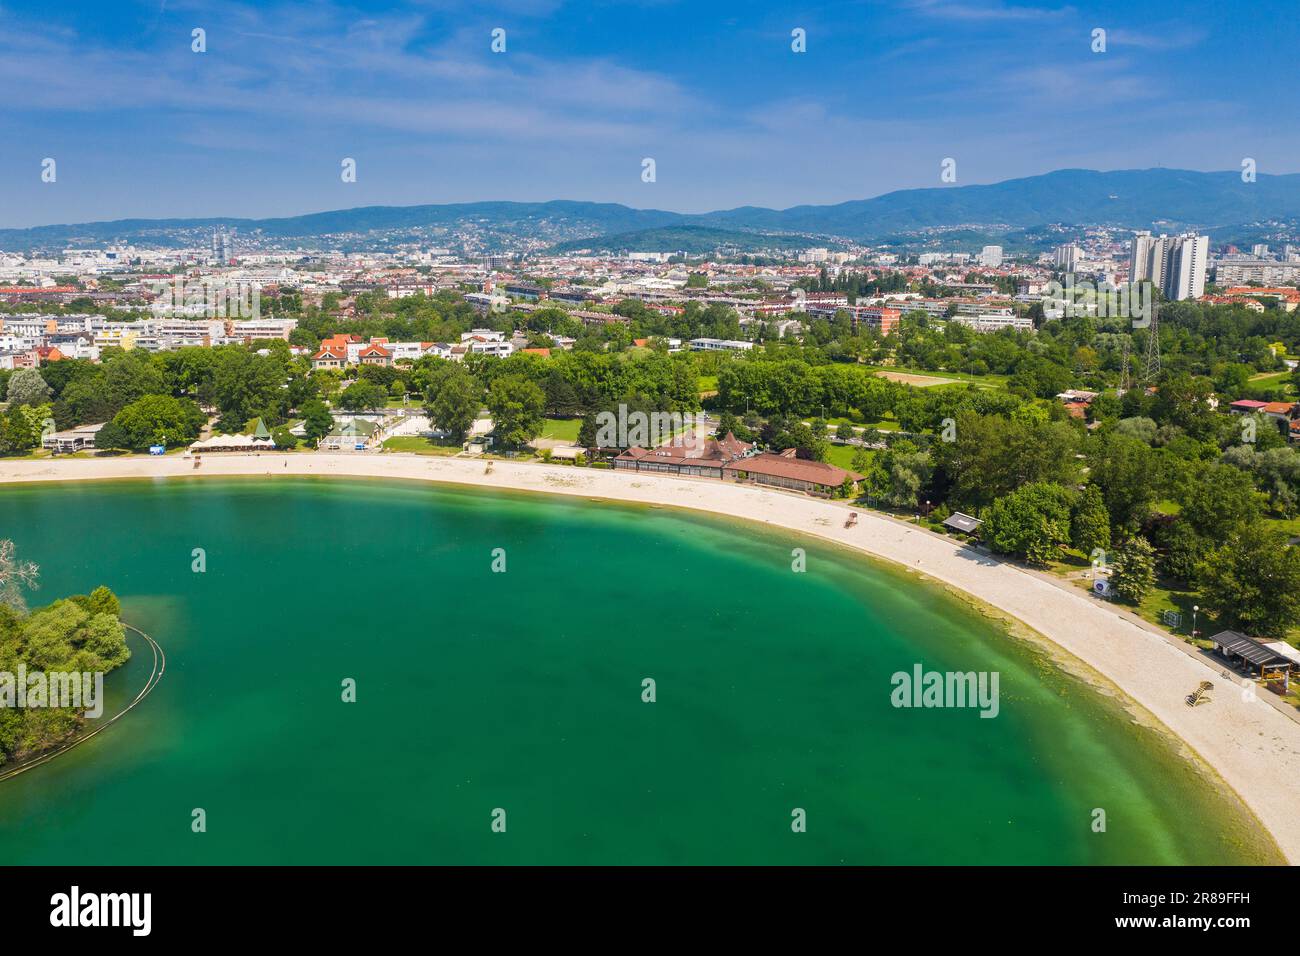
(140,125)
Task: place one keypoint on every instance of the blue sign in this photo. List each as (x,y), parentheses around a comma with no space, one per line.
(157,449)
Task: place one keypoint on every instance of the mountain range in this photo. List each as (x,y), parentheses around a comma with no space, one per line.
(1165,199)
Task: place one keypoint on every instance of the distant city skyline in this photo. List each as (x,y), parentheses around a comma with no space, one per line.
(257,126)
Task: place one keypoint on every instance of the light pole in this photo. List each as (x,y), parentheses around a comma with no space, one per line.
(1195,608)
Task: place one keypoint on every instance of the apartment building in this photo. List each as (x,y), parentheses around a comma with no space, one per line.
(995,321)
(1174,264)
(1267,271)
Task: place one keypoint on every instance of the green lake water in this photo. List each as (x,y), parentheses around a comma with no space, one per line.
(523,691)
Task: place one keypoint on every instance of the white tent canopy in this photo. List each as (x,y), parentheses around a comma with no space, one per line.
(233,443)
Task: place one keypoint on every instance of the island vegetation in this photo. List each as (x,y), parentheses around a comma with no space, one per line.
(80,634)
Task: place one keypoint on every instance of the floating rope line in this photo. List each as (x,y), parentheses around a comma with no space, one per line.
(159,665)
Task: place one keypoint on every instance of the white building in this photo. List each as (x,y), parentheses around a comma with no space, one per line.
(483,335)
(1264,271)
(1067,257)
(991,257)
(995,321)
(720,345)
(1174,264)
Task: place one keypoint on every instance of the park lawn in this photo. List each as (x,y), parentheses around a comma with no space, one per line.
(1270,379)
(1167,596)
(884,425)
(842,455)
(1290,526)
(990,380)
(1071,562)
(420,445)
(561,429)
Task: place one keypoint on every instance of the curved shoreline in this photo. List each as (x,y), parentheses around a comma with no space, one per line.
(1252,747)
(159,665)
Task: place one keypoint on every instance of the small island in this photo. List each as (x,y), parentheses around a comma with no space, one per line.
(50,657)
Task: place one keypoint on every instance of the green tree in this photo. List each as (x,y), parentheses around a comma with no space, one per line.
(516,405)
(82,634)
(899,474)
(103,601)
(112,437)
(317,420)
(363,394)
(992,455)
(804,439)
(1254,581)
(27,387)
(159,420)
(453,403)
(246,385)
(22,427)
(129,376)
(1133,569)
(1127,472)
(1219,500)
(1181,550)
(1184,400)
(1090,523)
(1033,522)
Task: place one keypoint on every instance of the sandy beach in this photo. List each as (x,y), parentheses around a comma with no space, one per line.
(1251,744)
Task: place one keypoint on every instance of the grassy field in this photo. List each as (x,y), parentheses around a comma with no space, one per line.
(561,429)
(419,445)
(884,425)
(1270,379)
(983,381)
(1290,526)
(842,455)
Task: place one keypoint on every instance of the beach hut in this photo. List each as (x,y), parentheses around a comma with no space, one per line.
(72,440)
(962,523)
(352,434)
(1253,656)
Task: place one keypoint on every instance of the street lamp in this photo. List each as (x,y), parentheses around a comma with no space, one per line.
(1195,608)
